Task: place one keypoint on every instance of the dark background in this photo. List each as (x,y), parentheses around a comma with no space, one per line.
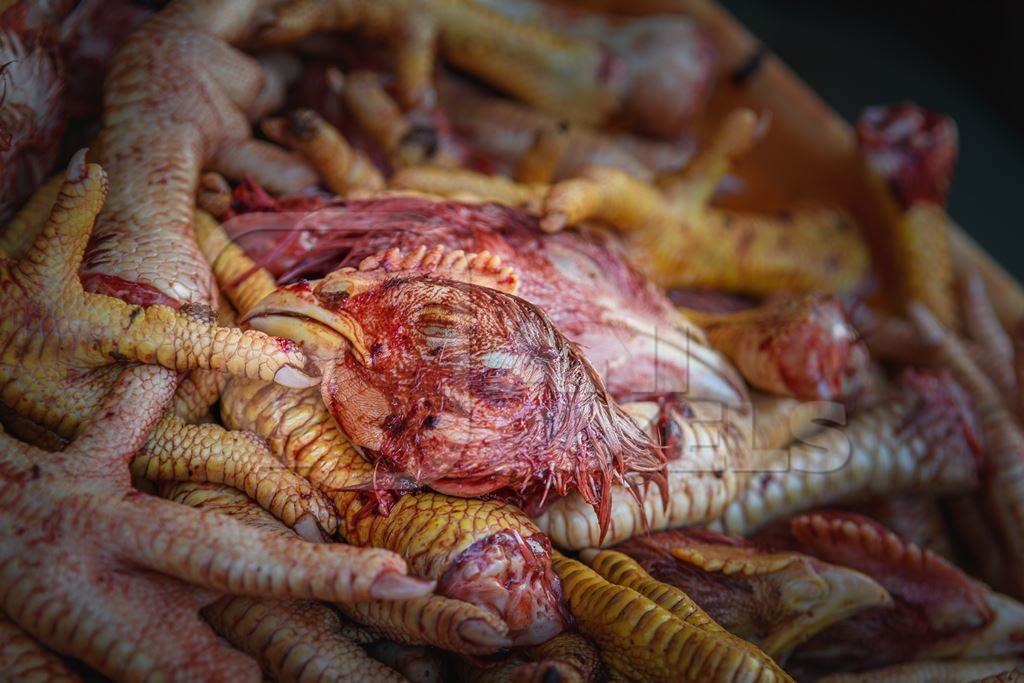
(964,58)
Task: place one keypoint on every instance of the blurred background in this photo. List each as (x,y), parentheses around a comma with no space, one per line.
(965,59)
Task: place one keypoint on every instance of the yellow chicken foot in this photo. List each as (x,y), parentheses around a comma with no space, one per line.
(1003,467)
(920,440)
(22,658)
(298,641)
(380,116)
(59,340)
(137,543)
(642,641)
(342,167)
(176,451)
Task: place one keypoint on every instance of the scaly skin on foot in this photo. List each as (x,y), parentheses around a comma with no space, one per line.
(921,439)
(682,242)
(59,339)
(293,640)
(1003,468)
(706,448)
(107,561)
(909,154)
(642,641)
(176,451)
(22,658)
(623,570)
(775,600)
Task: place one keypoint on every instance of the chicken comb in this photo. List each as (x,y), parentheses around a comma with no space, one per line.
(483,269)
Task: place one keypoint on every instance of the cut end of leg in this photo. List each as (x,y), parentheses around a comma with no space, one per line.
(394,586)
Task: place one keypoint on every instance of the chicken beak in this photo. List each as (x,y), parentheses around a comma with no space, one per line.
(294,312)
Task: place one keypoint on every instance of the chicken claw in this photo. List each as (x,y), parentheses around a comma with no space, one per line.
(58,336)
(208,453)
(293,640)
(643,641)
(80,591)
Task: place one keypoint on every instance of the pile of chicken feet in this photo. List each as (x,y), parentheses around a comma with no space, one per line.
(409,339)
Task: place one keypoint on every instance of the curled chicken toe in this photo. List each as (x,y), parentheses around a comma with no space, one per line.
(176,451)
(642,640)
(293,640)
(60,339)
(110,566)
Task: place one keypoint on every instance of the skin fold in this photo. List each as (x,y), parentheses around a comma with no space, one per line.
(922,439)
(776,600)
(937,610)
